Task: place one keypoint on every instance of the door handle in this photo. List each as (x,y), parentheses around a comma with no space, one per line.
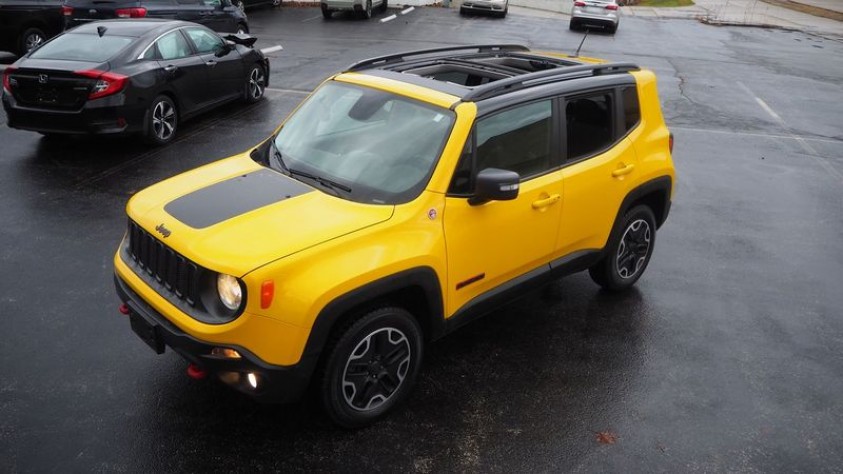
(548,201)
(171,70)
(623,169)
(210,63)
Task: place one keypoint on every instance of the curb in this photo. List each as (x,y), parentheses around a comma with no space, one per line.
(809,9)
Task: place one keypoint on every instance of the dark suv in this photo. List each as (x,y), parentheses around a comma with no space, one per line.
(218,15)
(25,24)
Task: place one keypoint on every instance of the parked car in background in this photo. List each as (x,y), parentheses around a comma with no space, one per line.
(244,4)
(25,24)
(130,76)
(363,8)
(494,7)
(218,15)
(600,13)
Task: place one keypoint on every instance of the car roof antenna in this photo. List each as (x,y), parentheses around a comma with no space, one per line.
(101,30)
(576,55)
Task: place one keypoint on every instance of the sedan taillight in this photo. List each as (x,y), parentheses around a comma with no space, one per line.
(134,12)
(7,79)
(66,10)
(611,6)
(108,83)
(579,4)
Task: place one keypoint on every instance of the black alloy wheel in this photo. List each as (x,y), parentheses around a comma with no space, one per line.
(255,84)
(162,120)
(372,367)
(31,39)
(630,250)
(366,13)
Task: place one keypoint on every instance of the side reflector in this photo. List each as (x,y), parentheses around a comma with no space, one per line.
(267,293)
(195,372)
(670,143)
(123,308)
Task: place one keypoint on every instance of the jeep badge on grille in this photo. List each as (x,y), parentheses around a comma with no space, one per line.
(163,230)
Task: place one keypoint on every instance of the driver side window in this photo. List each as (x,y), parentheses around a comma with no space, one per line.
(204,40)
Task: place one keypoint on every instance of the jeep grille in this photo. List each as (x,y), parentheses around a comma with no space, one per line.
(174,272)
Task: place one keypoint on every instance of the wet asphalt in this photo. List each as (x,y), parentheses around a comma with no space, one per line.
(727,356)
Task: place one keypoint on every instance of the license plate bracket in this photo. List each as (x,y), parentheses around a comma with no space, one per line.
(147,332)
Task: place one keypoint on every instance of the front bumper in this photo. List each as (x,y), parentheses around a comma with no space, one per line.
(87,120)
(276,384)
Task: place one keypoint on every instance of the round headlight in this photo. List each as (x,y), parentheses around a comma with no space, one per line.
(229,290)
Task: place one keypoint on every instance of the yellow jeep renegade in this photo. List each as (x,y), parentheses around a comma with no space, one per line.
(404,197)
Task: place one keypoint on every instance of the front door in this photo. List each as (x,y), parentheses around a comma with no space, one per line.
(492,243)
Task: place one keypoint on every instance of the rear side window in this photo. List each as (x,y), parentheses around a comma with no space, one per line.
(631,109)
(517,139)
(204,40)
(589,124)
(173,46)
(82,47)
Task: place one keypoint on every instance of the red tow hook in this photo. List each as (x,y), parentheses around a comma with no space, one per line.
(123,308)
(195,372)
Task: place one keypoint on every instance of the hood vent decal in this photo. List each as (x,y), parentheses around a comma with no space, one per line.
(233,197)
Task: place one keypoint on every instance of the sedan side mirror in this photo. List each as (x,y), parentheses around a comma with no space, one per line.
(494,184)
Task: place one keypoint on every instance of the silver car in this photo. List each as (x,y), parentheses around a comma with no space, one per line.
(363,8)
(495,7)
(602,13)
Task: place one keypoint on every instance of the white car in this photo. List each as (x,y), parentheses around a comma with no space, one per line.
(363,8)
(495,7)
(601,13)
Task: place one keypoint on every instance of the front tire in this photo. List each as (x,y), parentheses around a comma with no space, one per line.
(242,29)
(255,84)
(162,121)
(628,253)
(384,6)
(326,13)
(31,39)
(366,13)
(372,367)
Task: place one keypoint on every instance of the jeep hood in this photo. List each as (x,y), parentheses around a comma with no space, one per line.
(235,215)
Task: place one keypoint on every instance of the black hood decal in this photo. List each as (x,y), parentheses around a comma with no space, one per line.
(235,196)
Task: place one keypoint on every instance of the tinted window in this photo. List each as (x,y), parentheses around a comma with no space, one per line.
(589,124)
(81,47)
(631,110)
(516,140)
(173,46)
(461,181)
(204,40)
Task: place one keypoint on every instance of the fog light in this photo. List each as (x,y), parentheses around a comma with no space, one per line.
(253,379)
(225,352)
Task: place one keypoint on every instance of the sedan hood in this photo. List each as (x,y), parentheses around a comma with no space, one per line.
(235,215)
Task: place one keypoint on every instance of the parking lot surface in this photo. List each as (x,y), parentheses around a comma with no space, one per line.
(725,357)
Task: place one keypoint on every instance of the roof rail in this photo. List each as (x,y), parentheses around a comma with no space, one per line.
(400,57)
(546,76)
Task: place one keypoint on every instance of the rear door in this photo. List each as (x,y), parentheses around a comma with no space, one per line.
(85,11)
(181,69)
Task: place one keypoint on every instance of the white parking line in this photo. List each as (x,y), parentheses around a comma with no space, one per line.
(288,91)
(389,18)
(407,10)
(272,49)
(311,19)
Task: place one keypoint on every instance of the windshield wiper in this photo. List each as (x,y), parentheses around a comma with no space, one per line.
(325,182)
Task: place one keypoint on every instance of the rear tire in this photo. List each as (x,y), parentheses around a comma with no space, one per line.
(629,251)
(162,121)
(366,13)
(242,28)
(573,26)
(463,11)
(372,367)
(383,6)
(31,39)
(326,13)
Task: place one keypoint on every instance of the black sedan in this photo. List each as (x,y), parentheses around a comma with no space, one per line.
(218,15)
(130,76)
(25,24)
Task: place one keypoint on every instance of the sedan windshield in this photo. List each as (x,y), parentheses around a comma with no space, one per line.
(367,145)
(82,47)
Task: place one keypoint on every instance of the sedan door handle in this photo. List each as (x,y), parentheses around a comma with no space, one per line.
(171,70)
(623,169)
(548,201)
(210,63)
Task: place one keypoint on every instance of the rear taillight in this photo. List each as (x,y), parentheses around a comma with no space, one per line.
(7,79)
(108,83)
(66,10)
(611,6)
(134,12)
(670,143)
(579,4)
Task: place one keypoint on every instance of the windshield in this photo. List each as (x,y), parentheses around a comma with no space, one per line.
(373,146)
(82,47)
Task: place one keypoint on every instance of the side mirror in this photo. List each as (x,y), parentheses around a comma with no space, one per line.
(494,184)
(223,50)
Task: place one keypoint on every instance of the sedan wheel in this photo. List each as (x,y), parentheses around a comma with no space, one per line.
(163,121)
(31,39)
(367,11)
(255,85)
